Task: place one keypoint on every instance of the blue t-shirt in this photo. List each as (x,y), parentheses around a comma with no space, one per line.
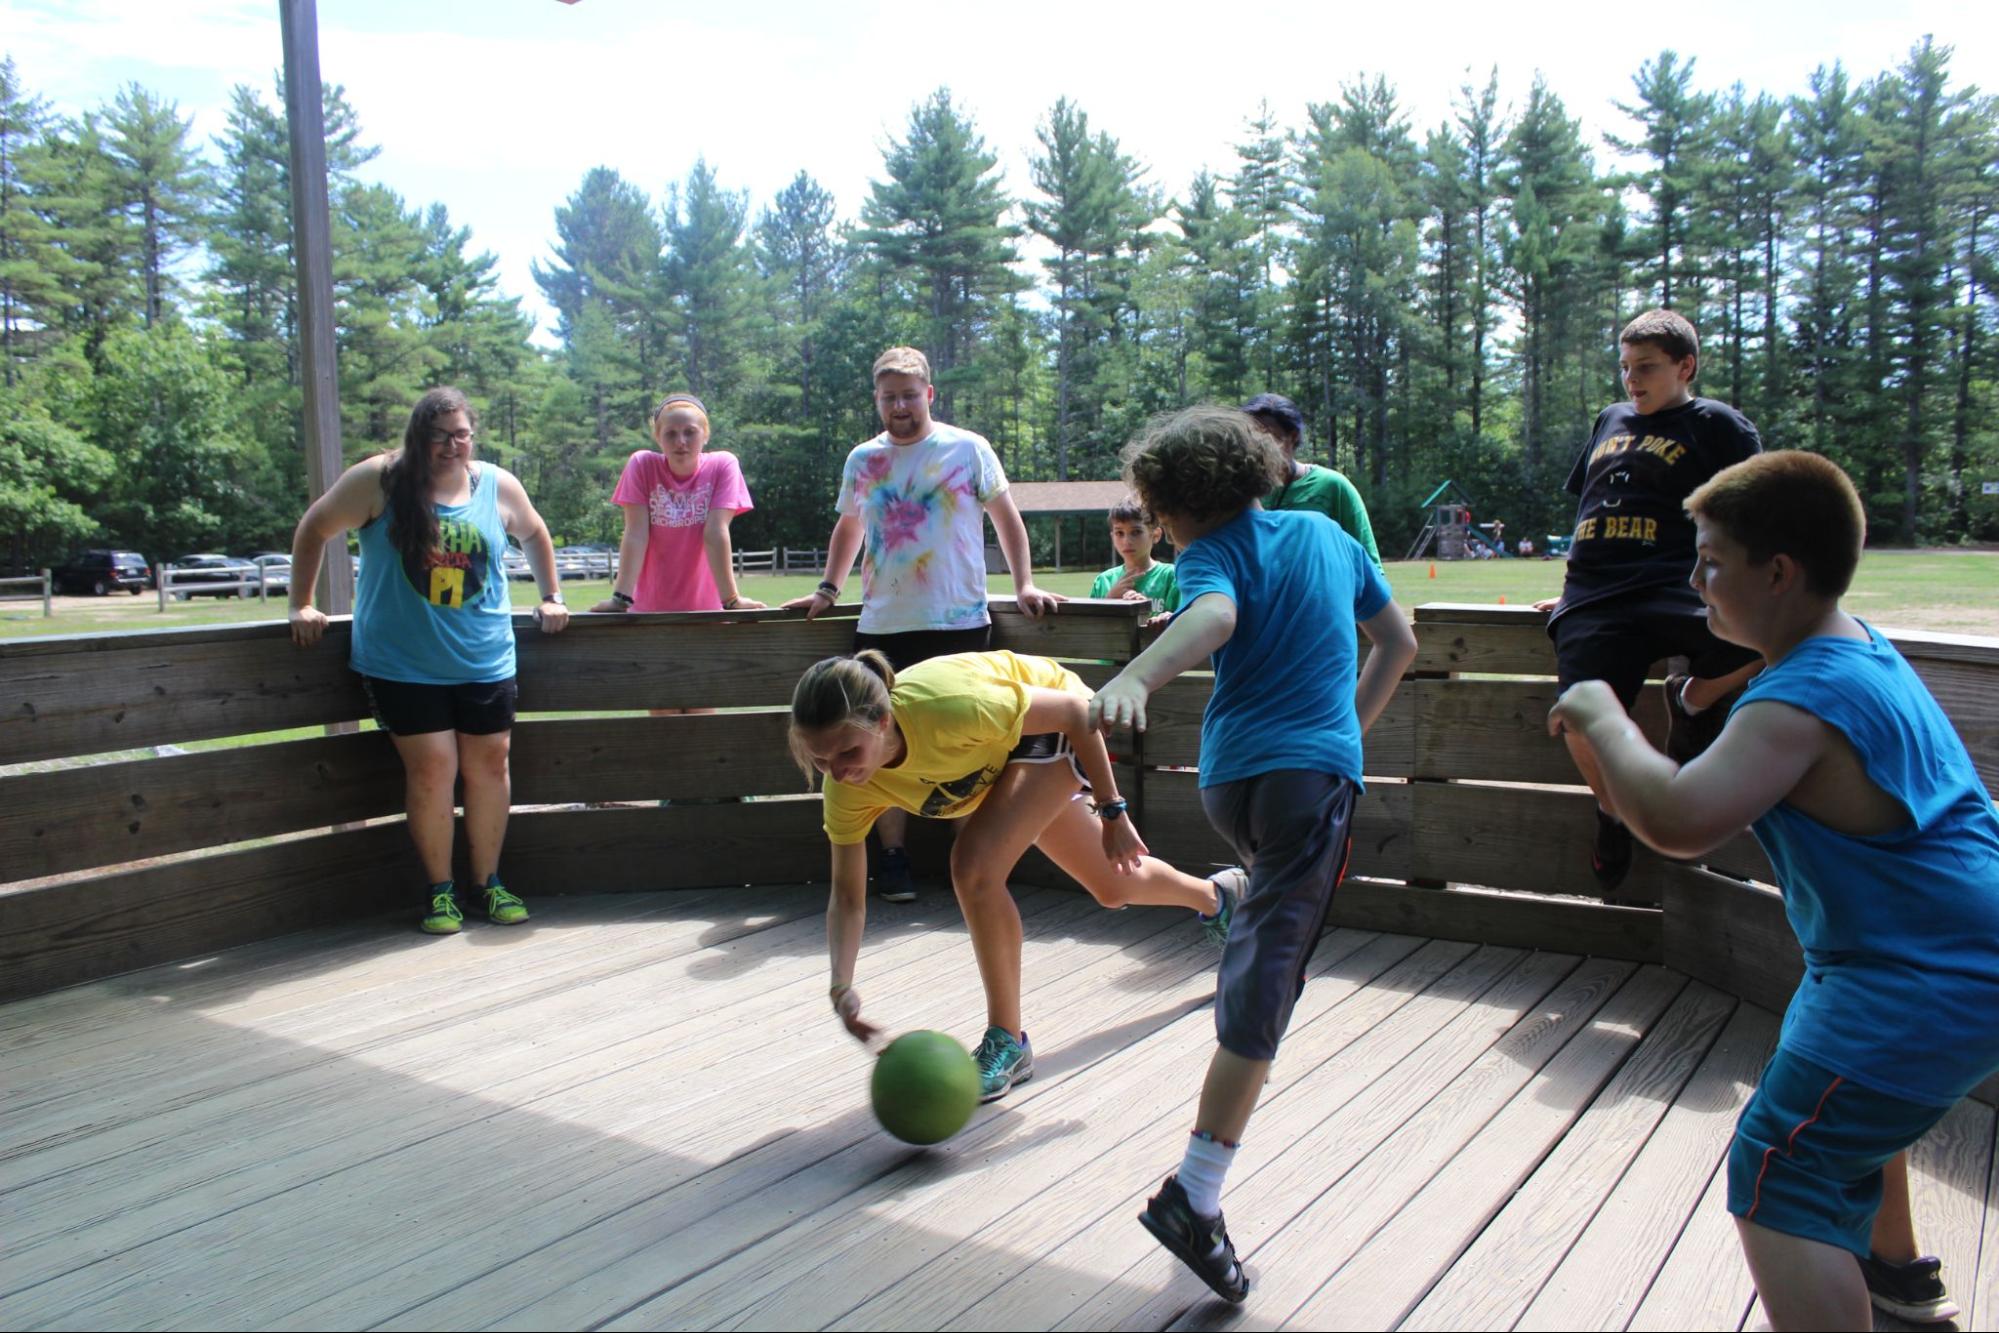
(1900,931)
(1284,682)
(446,619)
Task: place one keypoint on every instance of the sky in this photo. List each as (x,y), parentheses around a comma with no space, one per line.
(497,108)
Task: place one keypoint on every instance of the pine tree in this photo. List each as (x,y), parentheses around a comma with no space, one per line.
(161,186)
(710,278)
(1672,120)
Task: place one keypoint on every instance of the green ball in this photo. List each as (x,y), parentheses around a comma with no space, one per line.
(925,1087)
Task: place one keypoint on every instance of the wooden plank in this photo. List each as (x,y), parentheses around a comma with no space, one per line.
(1969,696)
(1948,1173)
(1177,829)
(1604,1278)
(1533,839)
(1513,642)
(1313,1130)
(1500,1273)
(1291,1262)
(110,814)
(64,934)
(1173,728)
(1980,1295)
(1388,1275)
(651,758)
(772,841)
(1498,730)
(89,694)
(1522,920)
(1705,1282)
(1734,936)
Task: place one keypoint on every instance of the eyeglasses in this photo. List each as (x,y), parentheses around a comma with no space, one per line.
(461,438)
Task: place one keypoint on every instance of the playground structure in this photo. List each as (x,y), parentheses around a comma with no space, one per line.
(1503,1103)
(1448,531)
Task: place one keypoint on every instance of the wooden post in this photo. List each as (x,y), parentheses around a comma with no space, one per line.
(48,588)
(312,255)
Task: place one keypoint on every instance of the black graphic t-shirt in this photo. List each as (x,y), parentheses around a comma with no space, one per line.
(1632,537)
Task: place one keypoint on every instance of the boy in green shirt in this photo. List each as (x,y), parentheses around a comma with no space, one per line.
(1140,577)
(1308,485)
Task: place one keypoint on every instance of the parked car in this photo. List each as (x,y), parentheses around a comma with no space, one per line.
(277,567)
(100,571)
(210,575)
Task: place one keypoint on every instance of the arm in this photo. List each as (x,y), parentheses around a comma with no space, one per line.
(631,557)
(721,560)
(1012,535)
(1059,710)
(351,502)
(1196,632)
(1684,810)
(526,527)
(841,548)
(846,915)
(1394,649)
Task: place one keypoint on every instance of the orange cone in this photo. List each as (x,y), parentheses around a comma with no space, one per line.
(1502,599)
(1433,569)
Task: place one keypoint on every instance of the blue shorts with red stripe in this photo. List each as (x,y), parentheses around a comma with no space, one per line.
(1809,1149)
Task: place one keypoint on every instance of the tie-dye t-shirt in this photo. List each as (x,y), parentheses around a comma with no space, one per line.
(923,508)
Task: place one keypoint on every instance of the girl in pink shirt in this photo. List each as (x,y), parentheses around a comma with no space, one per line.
(678,505)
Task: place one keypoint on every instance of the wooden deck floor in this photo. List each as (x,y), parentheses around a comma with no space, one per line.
(637,1113)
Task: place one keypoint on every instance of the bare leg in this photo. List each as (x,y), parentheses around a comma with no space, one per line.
(1585,757)
(1894,1236)
(1805,1284)
(1229,1094)
(1706,693)
(488,794)
(430,768)
(893,828)
(1074,840)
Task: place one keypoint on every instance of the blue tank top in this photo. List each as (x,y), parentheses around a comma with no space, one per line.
(1900,931)
(448,619)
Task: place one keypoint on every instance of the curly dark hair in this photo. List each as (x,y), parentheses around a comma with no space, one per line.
(1201,462)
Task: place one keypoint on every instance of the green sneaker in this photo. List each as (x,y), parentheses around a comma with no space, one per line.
(1002,1062)
(502,908)
(1229,886)
(444,918)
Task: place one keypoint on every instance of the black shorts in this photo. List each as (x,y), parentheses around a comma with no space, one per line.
(1048,747)
(1618,641)
(405,708)
(920,645)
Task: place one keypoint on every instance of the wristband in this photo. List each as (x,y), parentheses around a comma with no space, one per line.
(831,589)
(733,602)
(1110,810)
(620,598)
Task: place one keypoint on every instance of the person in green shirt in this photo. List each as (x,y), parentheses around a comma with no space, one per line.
(1140,578)
(1310,486)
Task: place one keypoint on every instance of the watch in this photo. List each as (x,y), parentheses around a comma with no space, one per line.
(1110,810)
(555,597)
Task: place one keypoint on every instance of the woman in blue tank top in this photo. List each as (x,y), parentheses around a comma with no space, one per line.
(433,633)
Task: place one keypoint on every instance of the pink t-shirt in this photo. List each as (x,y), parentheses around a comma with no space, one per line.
(675,576)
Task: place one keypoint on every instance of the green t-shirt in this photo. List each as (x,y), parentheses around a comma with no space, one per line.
(1327,492)
(1157,583)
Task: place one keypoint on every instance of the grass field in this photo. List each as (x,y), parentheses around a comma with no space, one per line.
(1955,591)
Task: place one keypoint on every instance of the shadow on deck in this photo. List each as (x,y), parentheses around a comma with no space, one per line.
(637,1113)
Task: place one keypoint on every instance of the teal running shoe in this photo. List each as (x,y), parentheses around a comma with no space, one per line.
(1230,885)
(1002,1062)
(444,918)
(502,908)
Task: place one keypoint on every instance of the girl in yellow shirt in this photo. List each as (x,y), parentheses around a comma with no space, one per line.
(1003,742)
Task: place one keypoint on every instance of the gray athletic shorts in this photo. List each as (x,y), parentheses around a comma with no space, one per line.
(1292,829)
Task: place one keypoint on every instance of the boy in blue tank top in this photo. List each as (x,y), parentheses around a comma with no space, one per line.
(1275,598)
(1886,845)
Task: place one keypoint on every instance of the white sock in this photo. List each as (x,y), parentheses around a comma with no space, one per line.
(1202,1172)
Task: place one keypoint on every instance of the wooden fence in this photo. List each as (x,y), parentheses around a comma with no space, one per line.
(1472,828)
(30,588)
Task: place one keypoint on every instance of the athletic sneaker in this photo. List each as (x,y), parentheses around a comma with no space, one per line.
(1002,1062)
(1610,859)
(892,881)
(1689,734)
(444,918)
(1201,1243)
(1230,885)
(502,908)
(1912,1291)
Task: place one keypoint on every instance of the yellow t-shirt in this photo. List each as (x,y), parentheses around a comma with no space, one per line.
(960,717)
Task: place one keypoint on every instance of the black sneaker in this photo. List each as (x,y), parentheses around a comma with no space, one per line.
(1689,734)
(1201,1243)
(892,880)
(1610,859)
(1912,1291)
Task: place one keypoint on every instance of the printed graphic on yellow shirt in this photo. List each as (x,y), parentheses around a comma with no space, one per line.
(454,573)
(945,798)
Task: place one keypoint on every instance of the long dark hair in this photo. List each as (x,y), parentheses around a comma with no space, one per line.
(412,520)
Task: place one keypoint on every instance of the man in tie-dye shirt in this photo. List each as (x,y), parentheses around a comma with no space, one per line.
(914,498)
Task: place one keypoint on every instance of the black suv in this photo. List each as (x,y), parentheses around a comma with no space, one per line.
(100,572)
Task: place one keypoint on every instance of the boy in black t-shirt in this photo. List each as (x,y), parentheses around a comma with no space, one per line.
(1625,600)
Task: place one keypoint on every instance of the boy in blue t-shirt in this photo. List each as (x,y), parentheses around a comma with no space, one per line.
(1886,845)
(1274,598)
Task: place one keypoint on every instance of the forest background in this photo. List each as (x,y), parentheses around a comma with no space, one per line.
(1443,301)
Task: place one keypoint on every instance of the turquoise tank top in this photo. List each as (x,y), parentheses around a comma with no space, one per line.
(1900,931)
(446,620)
